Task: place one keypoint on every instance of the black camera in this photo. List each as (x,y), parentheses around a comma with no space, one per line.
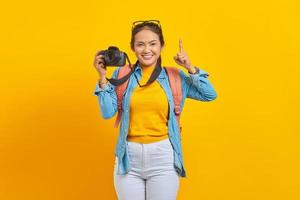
(113,56)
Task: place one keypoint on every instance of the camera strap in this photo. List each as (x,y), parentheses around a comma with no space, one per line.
(122,80)
(154,74)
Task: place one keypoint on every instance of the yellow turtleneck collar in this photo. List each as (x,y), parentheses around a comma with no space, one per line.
(148,70)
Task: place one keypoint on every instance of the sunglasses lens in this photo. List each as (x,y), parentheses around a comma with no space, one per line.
(144,22)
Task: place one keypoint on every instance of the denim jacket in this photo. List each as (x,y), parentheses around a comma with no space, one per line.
(194,86)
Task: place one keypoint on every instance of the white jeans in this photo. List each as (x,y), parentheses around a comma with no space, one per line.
(152,176)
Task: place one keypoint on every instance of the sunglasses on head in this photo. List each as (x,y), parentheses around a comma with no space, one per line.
(135,23)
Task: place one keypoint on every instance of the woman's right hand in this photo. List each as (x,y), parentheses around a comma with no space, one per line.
(99,65)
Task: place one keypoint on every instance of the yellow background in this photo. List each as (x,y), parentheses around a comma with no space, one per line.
(245,145)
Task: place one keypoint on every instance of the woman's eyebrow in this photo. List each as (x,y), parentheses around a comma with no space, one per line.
(148,42)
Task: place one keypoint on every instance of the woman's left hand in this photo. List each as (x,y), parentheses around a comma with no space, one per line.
(182,58)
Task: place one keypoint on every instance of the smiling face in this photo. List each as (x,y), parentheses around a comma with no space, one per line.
(147,47)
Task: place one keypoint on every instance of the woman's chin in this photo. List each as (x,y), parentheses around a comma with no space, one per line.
(147,63)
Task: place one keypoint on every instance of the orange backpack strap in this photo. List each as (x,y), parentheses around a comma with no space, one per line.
(175,84)
(123,71)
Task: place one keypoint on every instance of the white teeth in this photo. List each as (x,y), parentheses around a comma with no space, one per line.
(147,56)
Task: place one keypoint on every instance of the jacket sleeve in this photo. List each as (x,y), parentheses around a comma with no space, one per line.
(107,98)
(197,86)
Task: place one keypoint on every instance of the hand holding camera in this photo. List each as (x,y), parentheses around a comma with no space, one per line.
(99,65)
(110,57)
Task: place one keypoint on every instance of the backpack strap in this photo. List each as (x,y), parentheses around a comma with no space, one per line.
(175,84)
(123,71)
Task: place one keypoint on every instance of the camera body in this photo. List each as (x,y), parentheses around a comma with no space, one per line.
(113,56)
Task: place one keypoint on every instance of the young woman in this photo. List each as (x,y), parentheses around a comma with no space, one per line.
(148,151)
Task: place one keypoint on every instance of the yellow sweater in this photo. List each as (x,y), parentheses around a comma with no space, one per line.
(148,111)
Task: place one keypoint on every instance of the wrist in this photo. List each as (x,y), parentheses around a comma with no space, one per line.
(102,79)
(102,85)
(195,70)
(101,76)
(102,82)
(192,70)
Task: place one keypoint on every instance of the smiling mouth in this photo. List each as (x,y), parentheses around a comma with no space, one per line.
(147,57)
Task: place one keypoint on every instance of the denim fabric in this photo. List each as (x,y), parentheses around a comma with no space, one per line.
(152,175)
(194,86)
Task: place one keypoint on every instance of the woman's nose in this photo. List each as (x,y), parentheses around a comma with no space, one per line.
(146,49)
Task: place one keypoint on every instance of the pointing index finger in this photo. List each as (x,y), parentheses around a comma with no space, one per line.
(180,46)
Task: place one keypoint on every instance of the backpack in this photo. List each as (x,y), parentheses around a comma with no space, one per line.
(175,84)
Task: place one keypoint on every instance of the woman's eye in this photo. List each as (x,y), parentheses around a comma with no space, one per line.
(153,44)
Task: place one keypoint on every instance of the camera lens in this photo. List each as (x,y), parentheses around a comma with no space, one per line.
(114,57)
(111,55)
